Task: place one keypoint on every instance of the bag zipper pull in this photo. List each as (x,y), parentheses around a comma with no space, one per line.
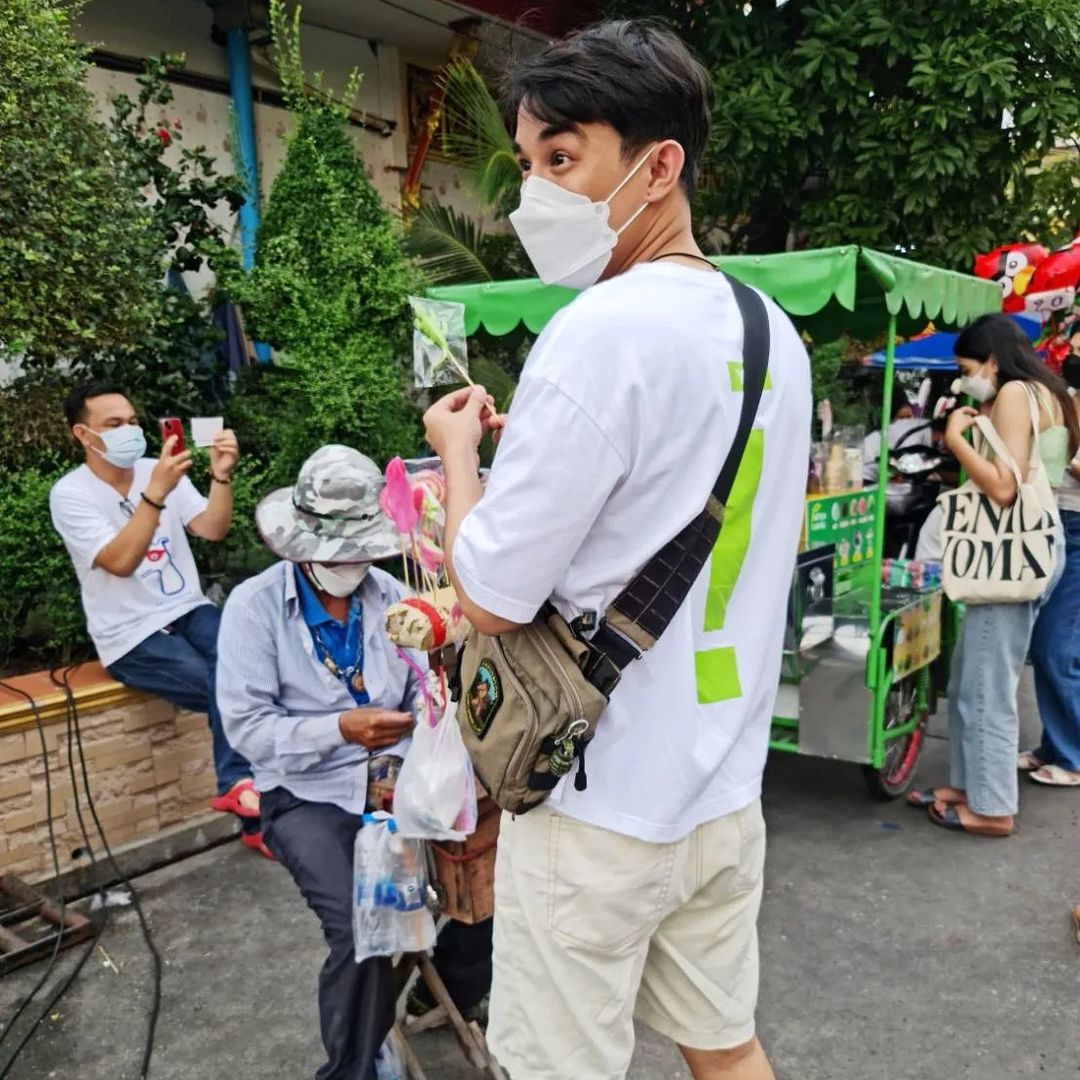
(561,758)
(581,780)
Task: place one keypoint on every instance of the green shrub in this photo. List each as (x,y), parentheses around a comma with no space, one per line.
(33,430)
(331,281)
(173,368)
(227,562)
(76,259)
(40,606)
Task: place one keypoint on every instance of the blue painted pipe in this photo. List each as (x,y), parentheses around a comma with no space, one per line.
(247,161)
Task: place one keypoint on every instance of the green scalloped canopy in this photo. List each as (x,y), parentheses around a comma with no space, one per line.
(827,292)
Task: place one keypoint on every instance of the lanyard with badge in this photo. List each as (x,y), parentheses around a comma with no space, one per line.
(353,674)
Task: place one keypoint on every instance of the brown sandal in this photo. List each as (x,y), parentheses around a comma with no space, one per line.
(950,817)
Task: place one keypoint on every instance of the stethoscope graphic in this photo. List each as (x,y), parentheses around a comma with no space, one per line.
(170,579)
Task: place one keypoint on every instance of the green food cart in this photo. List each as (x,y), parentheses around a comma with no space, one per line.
(856,682)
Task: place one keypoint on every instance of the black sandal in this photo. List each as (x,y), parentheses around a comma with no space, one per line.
(923,800)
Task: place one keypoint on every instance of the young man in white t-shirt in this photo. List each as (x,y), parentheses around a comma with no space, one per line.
(124,519)
(637,896)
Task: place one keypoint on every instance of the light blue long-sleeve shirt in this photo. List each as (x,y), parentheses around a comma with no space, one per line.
(279,704)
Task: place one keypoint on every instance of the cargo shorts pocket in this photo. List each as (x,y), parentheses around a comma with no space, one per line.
(751,848)
(605,890)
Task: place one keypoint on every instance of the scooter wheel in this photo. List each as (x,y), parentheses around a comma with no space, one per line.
(896,774)
(902,755)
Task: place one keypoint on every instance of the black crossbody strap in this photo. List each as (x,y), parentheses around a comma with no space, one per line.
(643,610)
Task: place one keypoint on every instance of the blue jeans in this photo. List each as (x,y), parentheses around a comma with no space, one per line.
(1055,655)
(984,724)
(180,666)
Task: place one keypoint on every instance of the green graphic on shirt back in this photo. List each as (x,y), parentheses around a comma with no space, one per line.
(717,670)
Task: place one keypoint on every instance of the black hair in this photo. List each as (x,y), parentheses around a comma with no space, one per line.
(899,401)
(1070,371)
(75,402)
(999,336)
(636,76)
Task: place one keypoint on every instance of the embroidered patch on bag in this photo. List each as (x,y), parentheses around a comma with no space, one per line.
(484,698)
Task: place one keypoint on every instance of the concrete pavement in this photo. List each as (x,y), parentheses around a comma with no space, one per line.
(891,950)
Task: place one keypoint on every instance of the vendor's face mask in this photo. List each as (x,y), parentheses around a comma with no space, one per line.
(341,580)
(566,235)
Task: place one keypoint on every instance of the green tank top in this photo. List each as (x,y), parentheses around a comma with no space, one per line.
(1054,450)
(1053,443)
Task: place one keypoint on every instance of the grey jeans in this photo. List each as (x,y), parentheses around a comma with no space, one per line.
(984,725)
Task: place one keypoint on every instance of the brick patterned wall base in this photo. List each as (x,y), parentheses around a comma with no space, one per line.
(150,768)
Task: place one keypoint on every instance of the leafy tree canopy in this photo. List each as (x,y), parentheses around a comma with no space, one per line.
(881,122)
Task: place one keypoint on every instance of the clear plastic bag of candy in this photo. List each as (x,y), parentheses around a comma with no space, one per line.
(440,354)
(435,794)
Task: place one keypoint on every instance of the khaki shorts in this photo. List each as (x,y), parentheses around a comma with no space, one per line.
(593,929)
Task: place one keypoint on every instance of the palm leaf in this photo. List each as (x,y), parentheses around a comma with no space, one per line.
(476,136)
(447,245)
(496,380)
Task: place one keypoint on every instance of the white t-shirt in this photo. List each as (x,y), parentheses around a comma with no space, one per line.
(626,409)
(122,612)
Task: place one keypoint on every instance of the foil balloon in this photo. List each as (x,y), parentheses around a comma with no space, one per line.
(1013,267)
(1052,287)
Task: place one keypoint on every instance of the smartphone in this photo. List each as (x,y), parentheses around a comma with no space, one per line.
(170,427)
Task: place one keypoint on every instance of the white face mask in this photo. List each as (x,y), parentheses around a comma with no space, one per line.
(123,445)
(338,581)
(567,236)
(978,387)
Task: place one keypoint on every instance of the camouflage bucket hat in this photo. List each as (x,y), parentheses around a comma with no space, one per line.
(332,513)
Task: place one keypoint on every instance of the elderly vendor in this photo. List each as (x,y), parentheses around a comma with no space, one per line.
(316,698)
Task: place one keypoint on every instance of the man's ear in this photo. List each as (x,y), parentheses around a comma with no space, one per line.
(665,168)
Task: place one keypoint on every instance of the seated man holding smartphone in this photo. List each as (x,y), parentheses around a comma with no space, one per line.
(124,518)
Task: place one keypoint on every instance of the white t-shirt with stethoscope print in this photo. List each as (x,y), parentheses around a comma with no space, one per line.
(122,612)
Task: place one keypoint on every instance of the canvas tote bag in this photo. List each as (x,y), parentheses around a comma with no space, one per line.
(1001,554)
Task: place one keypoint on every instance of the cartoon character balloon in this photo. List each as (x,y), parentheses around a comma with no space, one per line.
(1052,288)
(1012,266)
(1033,281)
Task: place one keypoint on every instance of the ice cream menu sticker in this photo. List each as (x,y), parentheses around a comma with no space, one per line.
(847,521)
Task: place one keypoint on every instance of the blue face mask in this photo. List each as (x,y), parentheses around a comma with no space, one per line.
(123,445)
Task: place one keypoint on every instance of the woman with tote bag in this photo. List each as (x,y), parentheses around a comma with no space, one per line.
(1003,557)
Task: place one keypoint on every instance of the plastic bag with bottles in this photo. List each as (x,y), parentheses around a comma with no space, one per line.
(390,892)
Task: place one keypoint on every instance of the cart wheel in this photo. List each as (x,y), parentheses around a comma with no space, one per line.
(898,769)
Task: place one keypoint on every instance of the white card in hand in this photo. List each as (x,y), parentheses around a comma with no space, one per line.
(205,428)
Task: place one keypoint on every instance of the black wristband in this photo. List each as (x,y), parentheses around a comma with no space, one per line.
(218,480)
(150,502)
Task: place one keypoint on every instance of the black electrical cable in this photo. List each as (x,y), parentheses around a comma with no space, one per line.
(96,939)
(148,937)
(55,858)
(136,902)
